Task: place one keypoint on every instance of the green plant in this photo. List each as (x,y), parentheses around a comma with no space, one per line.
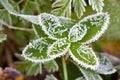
(58,36)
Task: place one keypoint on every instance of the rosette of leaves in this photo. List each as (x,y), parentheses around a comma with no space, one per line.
(59,35)
(57,39)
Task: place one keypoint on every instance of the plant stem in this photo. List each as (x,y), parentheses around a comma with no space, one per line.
(15,28)
(64,68)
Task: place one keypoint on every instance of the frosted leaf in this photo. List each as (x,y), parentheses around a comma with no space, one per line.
(96,25)
(77,32)
(2,37)
(52,26)
(11,10)
(105,66)
(68,23)
(51,66)
(89,74)
(79,7)
(96,5)
(50,77)
(58,48)
(83,55)
(36,51)
(38,31)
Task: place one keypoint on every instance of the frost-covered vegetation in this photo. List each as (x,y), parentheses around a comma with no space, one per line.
(59,36)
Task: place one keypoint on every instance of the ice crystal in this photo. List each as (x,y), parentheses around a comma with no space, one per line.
(52,26)
(71,39)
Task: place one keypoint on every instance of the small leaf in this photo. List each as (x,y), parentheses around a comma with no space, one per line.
(50,77)
(58,3)
(51,66)
(83,55)
(11,10)
(62,8)
(105,66)
(52,26)
(97,5)
(34,69)
(2,37)
(38,31)
(96,25)
(29,68)
(79,7)
(36,51)
(58,48)
(29,7)
(4,15)
(77,32)
(89,74)
(68,23)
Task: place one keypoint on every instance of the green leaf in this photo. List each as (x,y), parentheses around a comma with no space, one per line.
(105,66)
(58,48)
(58,3)
(83,55)
(77,32)
(38,31)
(51,66)
(89,74)
(29,68)
(52,26)
(62,8)
(97,5)
(2,37)
(11,10)
(29,7)
(79,7)
(4,15)
(67,22)
(50,77)
(36,51)
(96,25)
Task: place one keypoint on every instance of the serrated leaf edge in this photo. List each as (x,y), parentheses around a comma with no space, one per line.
(59,54)
(81,35)
(83,64)
(44,28)
(86,78)
(104,27)
(34,60)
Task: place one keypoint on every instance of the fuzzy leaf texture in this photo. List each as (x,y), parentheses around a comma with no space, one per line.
(36,51)
(64,8)
(97,5)
(52,26)
(79,7)
(96,25)
(89,74)
(58,48)
(105,66)
(77,32)
(83,55)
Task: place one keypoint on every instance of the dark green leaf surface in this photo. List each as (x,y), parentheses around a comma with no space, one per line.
(96,25)
(52,26)
(36,51)
(83,55)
